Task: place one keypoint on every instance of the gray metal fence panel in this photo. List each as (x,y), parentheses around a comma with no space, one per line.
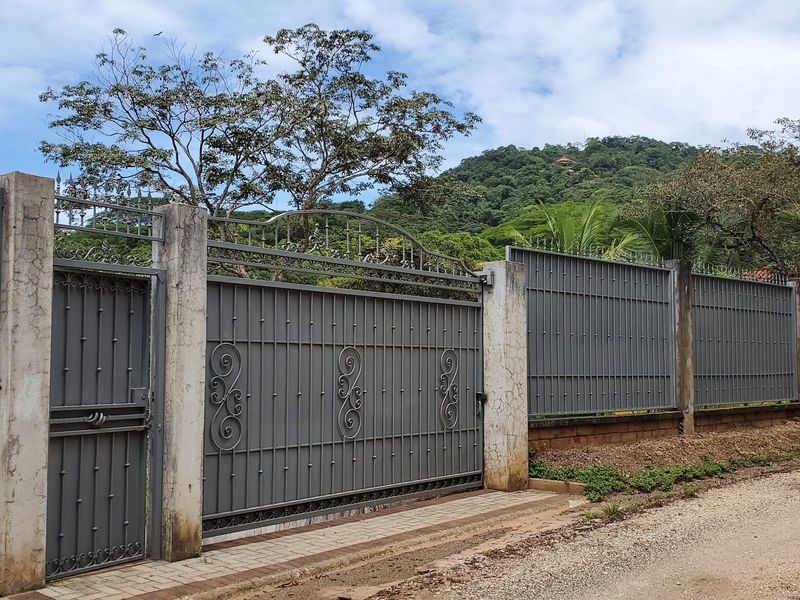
(320,399)
(99,414)
(600,335)
(744,341)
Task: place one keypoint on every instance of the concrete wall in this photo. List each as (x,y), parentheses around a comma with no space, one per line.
(183,256)
(26,296)
(505,368)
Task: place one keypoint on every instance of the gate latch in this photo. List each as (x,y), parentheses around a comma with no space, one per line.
(143,397)
(481,398)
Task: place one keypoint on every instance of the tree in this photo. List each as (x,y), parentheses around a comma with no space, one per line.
(216,133)
(352,131)
(744,199)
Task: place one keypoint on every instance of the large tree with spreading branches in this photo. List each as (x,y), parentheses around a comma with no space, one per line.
(219,133)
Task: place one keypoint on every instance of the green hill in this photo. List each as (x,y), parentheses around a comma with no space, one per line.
(504,184)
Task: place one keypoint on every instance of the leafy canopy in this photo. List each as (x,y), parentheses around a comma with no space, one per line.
(744,200)
(218,133)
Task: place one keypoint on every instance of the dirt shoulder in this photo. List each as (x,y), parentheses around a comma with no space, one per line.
(678,450)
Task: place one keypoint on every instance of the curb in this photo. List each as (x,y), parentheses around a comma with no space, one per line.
(572,488)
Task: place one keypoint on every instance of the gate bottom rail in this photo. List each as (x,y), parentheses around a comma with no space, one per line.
(251,517)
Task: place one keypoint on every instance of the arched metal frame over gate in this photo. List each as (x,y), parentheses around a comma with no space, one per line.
(344,369)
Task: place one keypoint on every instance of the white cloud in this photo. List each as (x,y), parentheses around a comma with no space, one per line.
(537,71)
(543,71)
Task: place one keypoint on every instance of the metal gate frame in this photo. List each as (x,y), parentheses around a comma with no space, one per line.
(291,252)
(154,438)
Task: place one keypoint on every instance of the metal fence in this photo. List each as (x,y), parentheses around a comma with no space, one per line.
(744,341)
(600,335)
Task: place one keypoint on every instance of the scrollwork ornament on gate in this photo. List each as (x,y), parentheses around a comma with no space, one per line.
(226,425)
(448,388)
(349,392)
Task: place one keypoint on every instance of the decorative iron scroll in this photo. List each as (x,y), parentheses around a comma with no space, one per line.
(86,560)
(226,425)
(448,411)
(103,283)
(213,524)
(349,392)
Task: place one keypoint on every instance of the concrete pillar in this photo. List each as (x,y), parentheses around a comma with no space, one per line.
(183,256)
(795,283)
(684,340)
(505,373)
(26,298)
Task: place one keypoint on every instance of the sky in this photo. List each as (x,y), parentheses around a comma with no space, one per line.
(536,71)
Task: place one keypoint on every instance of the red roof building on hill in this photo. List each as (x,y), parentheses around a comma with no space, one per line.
(566,161)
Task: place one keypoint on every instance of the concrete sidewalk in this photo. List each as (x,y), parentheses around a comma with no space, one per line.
(304,549)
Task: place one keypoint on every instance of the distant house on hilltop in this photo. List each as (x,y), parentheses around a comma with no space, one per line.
(567,162)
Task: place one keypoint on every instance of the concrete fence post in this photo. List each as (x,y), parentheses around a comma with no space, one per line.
(505,368)
(26,299)
(795,284)
(684,341)
(183,256)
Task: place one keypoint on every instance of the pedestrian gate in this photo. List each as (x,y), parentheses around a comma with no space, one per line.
(99,417)
(322,399)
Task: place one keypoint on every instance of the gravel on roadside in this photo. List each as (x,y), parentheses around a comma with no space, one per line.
(732,542)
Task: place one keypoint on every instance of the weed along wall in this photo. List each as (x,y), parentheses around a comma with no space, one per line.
(621,352)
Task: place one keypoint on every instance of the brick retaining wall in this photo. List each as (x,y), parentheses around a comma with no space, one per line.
(576,432)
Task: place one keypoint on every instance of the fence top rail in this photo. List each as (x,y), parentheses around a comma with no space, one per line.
(656,265)
(131,208)
(748,276)
(119,219)
(113,230)
(338,234)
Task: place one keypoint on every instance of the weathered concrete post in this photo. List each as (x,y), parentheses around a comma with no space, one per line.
(26,298)
(505,368)
(183,256)
(795,283)
(684,339)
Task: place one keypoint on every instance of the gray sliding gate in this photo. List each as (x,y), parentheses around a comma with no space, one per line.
(600,335)
(322,399)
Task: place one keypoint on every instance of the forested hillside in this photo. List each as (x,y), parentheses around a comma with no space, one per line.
(501,184)
(499,195)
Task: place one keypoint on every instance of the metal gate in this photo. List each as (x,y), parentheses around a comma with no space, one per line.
(323,399)
(99,415)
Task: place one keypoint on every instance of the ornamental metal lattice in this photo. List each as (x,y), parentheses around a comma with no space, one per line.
(337,249)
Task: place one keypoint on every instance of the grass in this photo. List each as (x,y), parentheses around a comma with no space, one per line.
(603,480)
